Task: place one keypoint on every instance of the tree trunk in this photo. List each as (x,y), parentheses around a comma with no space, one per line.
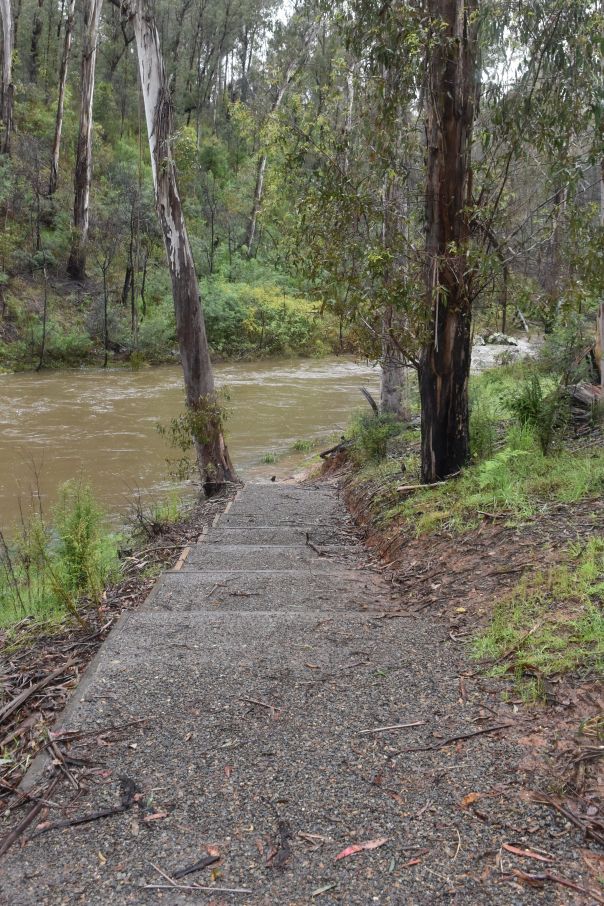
(53,180)
(7,73)
(392,385)
(445,358)
(76,267)
(36,31)
(212,454)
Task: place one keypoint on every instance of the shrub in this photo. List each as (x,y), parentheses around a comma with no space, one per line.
(547,414)
(48,569)
(370,434)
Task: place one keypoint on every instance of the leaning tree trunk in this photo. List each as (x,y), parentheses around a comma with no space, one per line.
(76,266)
(212,454)
(7,73)
(445,358)
(56,145)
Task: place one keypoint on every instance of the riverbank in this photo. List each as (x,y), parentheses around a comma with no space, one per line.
(61,324)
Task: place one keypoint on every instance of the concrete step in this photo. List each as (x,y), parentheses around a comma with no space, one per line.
(282,535)
(267,590)
(230,557)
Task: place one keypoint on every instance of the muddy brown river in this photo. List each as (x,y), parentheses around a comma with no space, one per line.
(102,425)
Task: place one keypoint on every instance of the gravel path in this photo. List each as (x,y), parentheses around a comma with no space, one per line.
(236,718)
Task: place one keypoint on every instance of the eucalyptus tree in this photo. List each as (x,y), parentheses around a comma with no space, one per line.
(8,89)
(451,102)
(65,55)
(205,414)
(76,267)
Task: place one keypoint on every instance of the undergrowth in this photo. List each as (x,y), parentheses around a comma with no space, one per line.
(49,567)
(519,461)
(551,623)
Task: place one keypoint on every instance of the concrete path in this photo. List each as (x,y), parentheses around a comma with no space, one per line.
(231,715)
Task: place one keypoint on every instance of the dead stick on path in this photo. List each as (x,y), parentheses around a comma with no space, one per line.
(416,723)
(194,887)
(255,701)
(446,742)
(582,825)
(22,826)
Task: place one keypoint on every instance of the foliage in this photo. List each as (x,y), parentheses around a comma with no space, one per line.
(370,434)
(546,413)
(551,622)
(195,426)
(51,567)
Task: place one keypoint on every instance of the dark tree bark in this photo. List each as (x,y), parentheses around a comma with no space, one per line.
(451,98)
(56,145)
(7,73)
(36,31)
(212,455)
(76,267)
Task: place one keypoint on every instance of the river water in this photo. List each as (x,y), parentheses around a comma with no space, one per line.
(102,425)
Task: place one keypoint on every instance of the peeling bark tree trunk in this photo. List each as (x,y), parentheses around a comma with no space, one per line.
(212,454)
(7,73)
(445,359)
(76,267)
(56,145)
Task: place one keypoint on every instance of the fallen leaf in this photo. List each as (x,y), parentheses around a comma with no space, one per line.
(102,858)
(461,610)
(156,816)
(412,862)
(228,770)
(527,853)
(320,890)
(360,847)
(470,799)
(212,850)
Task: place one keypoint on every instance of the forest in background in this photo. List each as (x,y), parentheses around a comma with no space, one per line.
(299,143)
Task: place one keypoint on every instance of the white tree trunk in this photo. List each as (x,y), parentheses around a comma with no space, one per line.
(76,267)
(212,454)
(56,146)
(7,72)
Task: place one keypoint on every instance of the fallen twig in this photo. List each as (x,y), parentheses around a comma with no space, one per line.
(460,736)
(416,723)
(189,869)
(193,887)
(22,826)
(128,799)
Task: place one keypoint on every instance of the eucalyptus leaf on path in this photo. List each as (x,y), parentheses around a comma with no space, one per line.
(360,847)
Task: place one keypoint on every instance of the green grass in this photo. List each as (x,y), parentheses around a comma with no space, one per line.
(51,567)
(304,446)
(510,477)
(269,458)
(551,623)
